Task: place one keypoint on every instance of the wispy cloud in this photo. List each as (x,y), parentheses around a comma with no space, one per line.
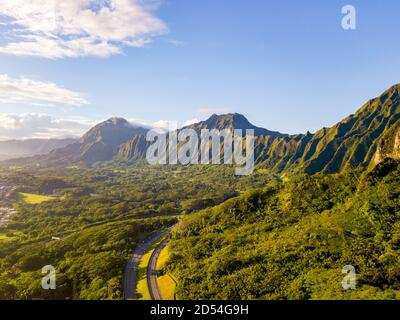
(37,125)
(175,42)
(45,126)
(57,28)
(191,121)
(33,92)
(204,113)
(159,124)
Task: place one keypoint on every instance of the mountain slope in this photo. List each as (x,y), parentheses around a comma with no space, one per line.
(290,240)
(349,144)
(101,143)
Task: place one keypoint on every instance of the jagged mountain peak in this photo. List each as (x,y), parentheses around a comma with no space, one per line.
(114,130)
(232,121)
(229,120)
(117,121)
(395,87)
(383,103)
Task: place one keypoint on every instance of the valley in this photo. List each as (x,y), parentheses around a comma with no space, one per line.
(92,202)
(5,215)
(6,209)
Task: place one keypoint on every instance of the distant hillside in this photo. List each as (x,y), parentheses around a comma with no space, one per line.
(101,143)
(27,148)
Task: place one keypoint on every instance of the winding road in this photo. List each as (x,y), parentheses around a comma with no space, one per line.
(130,276)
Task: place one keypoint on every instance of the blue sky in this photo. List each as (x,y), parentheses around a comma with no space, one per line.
(287,65)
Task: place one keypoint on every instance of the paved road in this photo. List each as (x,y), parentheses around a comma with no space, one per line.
(132,266)
(152,281)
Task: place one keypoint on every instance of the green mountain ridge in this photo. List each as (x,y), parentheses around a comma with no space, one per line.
(351,143)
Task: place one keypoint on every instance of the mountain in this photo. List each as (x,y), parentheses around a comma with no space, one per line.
(360,140)
(116,139)
(232,121)
(136,147)
(26,148)
(101,143)
(350,143)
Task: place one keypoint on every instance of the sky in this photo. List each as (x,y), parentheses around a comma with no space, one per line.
(287,65)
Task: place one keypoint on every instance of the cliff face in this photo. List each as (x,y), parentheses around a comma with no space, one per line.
(351,143)
(389,145)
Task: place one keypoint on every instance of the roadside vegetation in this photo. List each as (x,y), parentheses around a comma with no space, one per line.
(89,264)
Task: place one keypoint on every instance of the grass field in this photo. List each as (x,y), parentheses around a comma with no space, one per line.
(10,236)
(167,287)
(142,288)
(5,237)
(165,282)
(31,198)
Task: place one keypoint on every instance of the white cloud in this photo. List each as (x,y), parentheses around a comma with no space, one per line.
(27,91)
(44,126)
(203,114)
(37,125)
(160,124)
(189,122)
(57,28)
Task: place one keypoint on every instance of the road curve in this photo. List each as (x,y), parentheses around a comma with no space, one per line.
(130,276)
(152,281)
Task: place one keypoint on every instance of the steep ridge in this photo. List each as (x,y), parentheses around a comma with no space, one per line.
(349,144)
(389,145)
